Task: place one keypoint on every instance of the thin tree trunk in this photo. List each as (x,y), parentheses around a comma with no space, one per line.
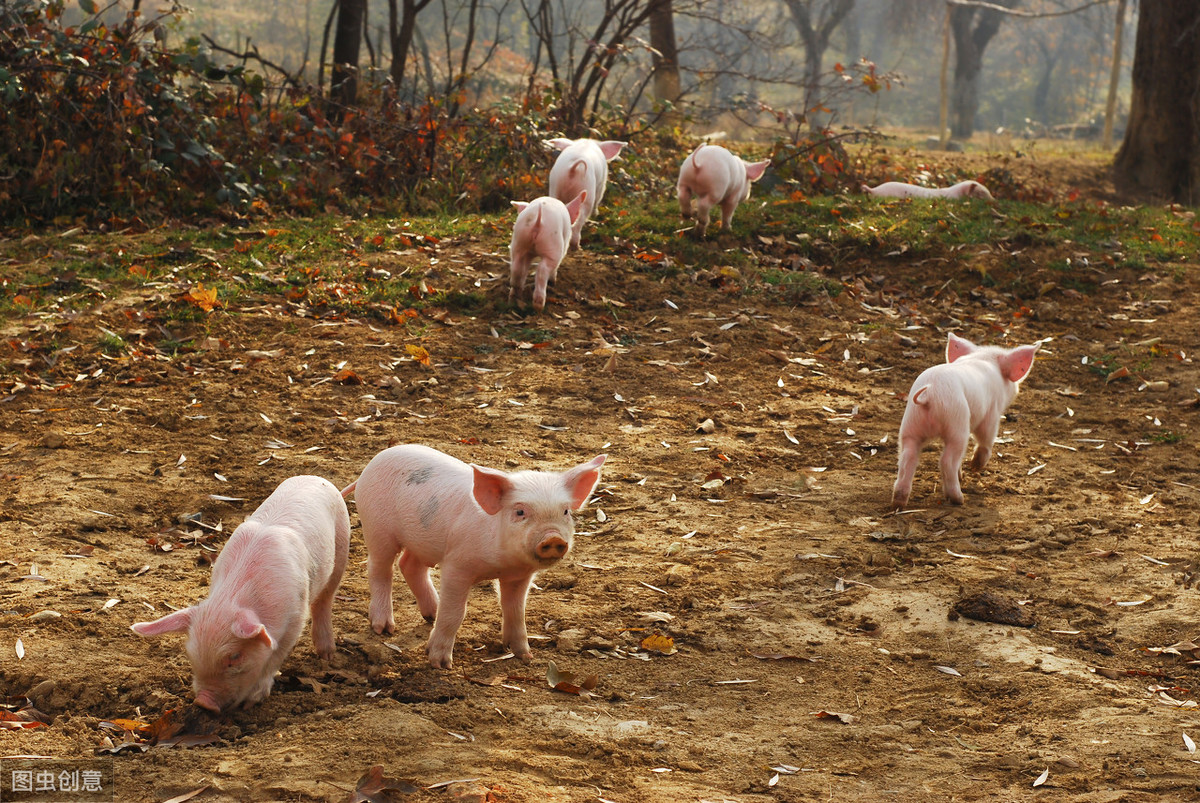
(343,81)
(666,59)
(1110,107)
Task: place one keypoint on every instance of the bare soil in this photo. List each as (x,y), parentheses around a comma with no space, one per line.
(825,648)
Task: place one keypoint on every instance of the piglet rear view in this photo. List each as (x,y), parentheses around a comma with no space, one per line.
(285,559)
(476,523)
(542,232)
(712,176)
(965,395)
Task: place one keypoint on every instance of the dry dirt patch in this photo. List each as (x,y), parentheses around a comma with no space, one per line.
(819,652)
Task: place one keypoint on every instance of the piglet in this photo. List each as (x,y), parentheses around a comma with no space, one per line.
(284,560)
(713,176)
(476,523)
(961,190)
(965,395)
(542,231)
(582,165)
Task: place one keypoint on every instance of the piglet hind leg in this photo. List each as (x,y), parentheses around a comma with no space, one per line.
(416,574)
(951,464)
(513,593)
(985,436)
(380,565)
(322,621)
(452,608)
(910,455)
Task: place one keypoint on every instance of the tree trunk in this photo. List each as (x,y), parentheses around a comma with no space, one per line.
(1160,156)
(815,35)
(666,62)
(343,82)
(1110,106)
(973,28)
(402,26)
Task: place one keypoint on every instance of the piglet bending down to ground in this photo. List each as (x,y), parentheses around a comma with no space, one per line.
(965,395)
(542,231)
(285,559)
(712,176)
(476,523)
(962,190)
(582,165)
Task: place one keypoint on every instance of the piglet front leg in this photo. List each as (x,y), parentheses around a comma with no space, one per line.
(513,593)
(452,609)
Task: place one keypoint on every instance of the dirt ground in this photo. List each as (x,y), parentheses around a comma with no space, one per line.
(824,646)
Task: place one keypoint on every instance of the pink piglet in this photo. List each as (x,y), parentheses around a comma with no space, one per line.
(542,232)
(285,560)
(964,396)
(476,523)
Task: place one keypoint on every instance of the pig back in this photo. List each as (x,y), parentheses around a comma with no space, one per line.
(413,496)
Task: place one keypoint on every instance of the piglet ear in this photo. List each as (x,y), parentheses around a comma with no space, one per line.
(558,143)
(247,626)
(1016,363)
(171,623)
(581,481)
(754,170)
(490,487)
(957,347)
(611,149)
(520,205)
(576,205)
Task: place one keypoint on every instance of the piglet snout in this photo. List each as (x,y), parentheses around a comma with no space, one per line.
(205,699)
(552,548)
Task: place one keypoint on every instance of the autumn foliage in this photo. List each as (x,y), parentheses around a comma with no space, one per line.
(108,123)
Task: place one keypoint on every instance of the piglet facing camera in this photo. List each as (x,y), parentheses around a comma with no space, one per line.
(476,523)
(285,560)
(966,395)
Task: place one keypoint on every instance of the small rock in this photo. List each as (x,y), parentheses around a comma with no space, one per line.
(570,640)
(707,427)
(41,690)
(53,440)
(44,616)
(468,792)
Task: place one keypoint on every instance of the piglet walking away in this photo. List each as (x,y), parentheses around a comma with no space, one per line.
(476,523)
(962,190)
(582,165)
(286,559)
(542,231)
(965,395)
(712,176)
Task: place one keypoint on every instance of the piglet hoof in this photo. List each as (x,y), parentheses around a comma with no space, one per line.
(384,628)
(956,499)
(899,503)
(524,656)
(439,660)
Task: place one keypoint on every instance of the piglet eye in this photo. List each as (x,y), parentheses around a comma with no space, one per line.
(520,513)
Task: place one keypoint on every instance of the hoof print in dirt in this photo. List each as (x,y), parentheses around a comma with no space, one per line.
(988,607)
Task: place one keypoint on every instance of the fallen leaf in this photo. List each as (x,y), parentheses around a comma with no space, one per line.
(1041,779)
(20,650)
(845,719)
(656,642)
(949,670)
(418,353)
(347,377)
(374,787)
(1189,744)
(204,298)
